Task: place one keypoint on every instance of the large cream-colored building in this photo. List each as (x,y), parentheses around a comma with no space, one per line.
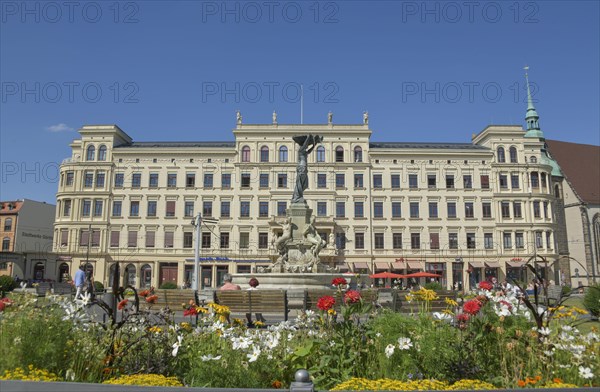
(467,211)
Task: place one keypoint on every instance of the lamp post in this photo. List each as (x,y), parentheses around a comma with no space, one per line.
(197,222)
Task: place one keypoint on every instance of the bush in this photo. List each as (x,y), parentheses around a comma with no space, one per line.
(98,286)
(566,291)
(591,301)
(168,286)
(435,286)
(7,284)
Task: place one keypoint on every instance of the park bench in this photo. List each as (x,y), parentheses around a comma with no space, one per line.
(554,295)
(173,299)
(62,288)
(271,303)
(42,288)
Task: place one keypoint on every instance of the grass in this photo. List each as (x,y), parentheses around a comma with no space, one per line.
(586,324)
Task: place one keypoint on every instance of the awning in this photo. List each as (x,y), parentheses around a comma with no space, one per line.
(414,265)
(517,264)
(382,265)
(476,264)
(361,265)
(492,264)
(343,267)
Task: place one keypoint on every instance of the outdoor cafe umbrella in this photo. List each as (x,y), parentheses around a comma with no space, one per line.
(423,275)
(386,275)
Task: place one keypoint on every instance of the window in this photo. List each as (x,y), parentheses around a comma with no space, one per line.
(134,208)
(434,240)
(378,209)
(452,209)
(377,181)
(224,240)
(136,180)
(543,180)
(358,181)
(245,180)
(431,181)
(208,180)
(8,224)
(169,235)
(433,209)
(469,210)
(100,180)
(282,180)
(358,154)
(64,237)
(321,208)
(245,209)
(453,240)
(207,210)
(263,240)
(397,240)
(153,180)
(470,240)
(536,209)
(535,182)
(546,210)
(467,181)
(340,209)
(245,154)
(320,154)
(396,209)
(395,179)
(488,240)
(519,240)
(67,208)
(538,239)
(170,210)
(91,153)
(190,180)
(244,240)
(188,209)
(359,210)
(533,159)
(485,181)
(321,180)
(414,209)
(150,239)
(264,154)
(116,207)
(226,180)
(514,181)
(188,239)
(171,180)
(283,154)
(359,240)
(505,208)
(548,242)
(415,240)
(517,209)
(413,181)
(503,181)
(339,154)
(379,241)
(507,240)
(486,208)
(340,240)
(132,239)
(340,180)
(102,153)
(89,179)
(225,209)
(114,239)
(513,154)
(86,207)
(206,240)
(501,157)
(97,207)
(263,209)
(70,178)
(281,208)
(84,237)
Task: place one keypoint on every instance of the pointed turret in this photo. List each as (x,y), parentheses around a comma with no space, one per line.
(532,118)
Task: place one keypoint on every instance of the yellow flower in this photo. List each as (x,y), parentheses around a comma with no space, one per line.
(450,302)
(331,312)
(186,326)
(259,324)
(31,374)
(151,380)
(155,329)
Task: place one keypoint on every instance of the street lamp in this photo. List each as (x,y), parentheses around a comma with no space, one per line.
(197,222)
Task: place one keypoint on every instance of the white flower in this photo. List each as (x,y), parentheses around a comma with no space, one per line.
(544,331)
(566,328)
(331,343)
(85,299)
(389,350)
(255,353)
(210,357)
(176,345)
(549,353)
(23,285)
(585,372)
(441,316)
(378,335)
(404,343)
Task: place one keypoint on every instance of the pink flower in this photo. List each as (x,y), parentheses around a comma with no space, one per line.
(352,296)
(472,307)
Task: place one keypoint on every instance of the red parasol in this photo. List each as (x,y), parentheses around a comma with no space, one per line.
(387,275)
(423,275)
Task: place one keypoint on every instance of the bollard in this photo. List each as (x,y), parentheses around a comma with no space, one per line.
(303,382)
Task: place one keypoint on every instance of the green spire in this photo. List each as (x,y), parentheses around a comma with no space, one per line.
(531,117)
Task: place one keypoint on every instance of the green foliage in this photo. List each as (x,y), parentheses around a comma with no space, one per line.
(435,286)
(98,286)
(591,301)
(566,291)
(168,286)
(7,283)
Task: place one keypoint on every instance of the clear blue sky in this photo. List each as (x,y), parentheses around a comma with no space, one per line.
(162,74)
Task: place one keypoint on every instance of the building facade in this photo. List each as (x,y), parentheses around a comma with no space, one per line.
(467,211)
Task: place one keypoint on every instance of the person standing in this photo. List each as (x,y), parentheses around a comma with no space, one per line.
(79,281)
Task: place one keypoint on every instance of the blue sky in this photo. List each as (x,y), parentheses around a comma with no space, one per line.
(178,70)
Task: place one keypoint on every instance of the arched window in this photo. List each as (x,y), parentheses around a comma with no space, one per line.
(533,159)
(8,224)
(146,276)
(245,154)
(102,153)
(6,243)
(129,277)
(557,191)
(283,154)
(38,271)
(320,154)
(357,154)
(111,274)
(513,154)
(63,273)
(596,226)
(339,154)
(264,154)
(501,157)
(91,153)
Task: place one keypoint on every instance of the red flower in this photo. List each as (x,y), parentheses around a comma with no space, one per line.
(122,304)
(2,306)
(472,307)
(191,311)
(463,317)
(485,285)
(352,296)
(338,282)
(507,304)
(144,293)
(326,302)
(152,299)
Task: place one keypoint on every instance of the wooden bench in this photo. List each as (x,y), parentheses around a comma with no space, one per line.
(173,299)
(62,288)
(42,288)
(241,302)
